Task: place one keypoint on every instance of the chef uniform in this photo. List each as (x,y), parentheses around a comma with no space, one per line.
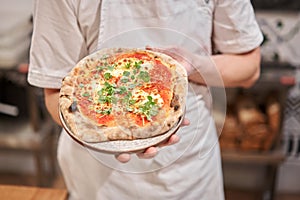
(66,31)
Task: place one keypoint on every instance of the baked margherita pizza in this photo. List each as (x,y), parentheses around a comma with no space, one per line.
(123,94)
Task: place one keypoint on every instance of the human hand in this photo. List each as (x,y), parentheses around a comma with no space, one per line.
(184,57)
(151,152)
(194,64)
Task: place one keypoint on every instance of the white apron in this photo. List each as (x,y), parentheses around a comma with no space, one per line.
(190,169)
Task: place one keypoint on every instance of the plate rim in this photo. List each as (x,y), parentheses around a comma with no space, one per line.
(95,145)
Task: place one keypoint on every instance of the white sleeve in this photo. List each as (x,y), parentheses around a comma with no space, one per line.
(57,42)
(235,29)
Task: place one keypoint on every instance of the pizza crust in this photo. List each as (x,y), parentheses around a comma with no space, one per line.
(84,129)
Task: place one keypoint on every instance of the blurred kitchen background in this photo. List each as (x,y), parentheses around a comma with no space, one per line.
(260,140)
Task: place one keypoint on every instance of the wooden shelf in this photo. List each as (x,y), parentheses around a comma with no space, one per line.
(26,193)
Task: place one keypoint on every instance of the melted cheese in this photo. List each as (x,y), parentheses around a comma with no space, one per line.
(121,67)
(147,65)
(116,72)
(140,97)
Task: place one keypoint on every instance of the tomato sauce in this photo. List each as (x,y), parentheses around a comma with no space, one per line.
(139,119)
(161,78)
(140,56)
(100,119)
(104,119)
(163,91)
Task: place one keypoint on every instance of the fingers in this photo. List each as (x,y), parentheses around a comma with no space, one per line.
(185,122)
(123,158)
(173,139)
(179,54)
(150,152)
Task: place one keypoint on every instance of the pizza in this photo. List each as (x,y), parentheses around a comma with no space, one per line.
(123,94)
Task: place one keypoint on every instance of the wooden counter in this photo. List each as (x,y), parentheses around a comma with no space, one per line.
(9,192)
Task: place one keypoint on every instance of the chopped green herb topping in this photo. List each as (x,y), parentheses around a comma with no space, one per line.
(81,85)
(126,73)
(127,98)
(137,65)
(124,80)
(110,67)
(106,93)
(104,111)
(100,67)
(133,76)
(132,85)
(121,90)
(144,76)
(85,94)
(107,76)
(128,65)
(104,57)
(149,109)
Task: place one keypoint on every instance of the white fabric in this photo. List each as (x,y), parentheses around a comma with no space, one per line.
(190,169)
(56,40)
(15,30)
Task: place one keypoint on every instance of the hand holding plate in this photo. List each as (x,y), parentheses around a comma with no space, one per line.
(151,152)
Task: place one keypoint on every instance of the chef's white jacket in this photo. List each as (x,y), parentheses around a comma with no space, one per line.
(66,31)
